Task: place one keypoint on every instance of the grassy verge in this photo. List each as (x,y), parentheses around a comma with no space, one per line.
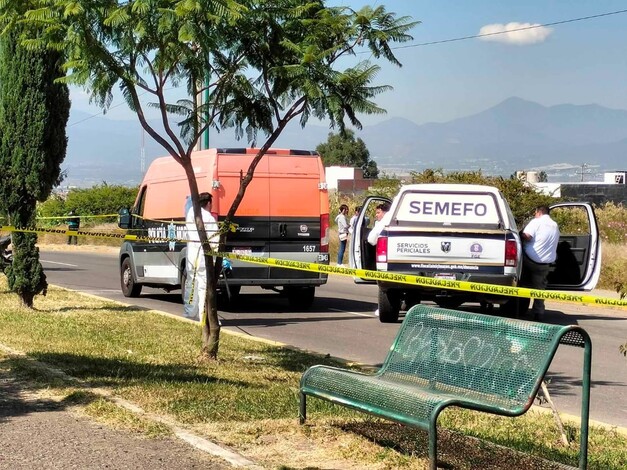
(249,398)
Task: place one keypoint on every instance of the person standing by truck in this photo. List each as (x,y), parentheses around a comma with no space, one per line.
(73,223)
(196,280)
(353,221)
(379,225)
(540,238)
(342,230)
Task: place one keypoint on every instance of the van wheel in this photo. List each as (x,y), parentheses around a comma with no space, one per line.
(226,303)
(515,306)
(450,303)
(129,287)
(300,298)
(389,306)
(183,282)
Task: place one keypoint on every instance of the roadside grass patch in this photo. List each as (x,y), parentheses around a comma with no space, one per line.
(248,399)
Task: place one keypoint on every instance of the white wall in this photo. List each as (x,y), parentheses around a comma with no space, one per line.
(335,173)
(617,177)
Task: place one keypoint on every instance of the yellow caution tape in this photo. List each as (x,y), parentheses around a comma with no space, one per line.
(409,279)
(432,282)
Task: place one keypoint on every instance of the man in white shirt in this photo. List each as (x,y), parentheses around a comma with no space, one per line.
(380,222)
(196,281)
(540,238)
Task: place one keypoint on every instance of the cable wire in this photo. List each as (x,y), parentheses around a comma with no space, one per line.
(555,23)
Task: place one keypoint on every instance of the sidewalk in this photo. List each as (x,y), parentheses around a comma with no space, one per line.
(40,432)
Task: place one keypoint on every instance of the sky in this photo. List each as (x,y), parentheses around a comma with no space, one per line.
(578,62)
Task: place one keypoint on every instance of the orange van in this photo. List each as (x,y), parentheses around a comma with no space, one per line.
(284,215)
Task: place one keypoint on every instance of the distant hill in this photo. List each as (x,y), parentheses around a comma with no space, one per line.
(515,134)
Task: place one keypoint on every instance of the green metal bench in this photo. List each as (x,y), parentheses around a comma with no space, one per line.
(445,357)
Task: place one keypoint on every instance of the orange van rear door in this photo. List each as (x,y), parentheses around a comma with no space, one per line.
(252,217)
(294,211)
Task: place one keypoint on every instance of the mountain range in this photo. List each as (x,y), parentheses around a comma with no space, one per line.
(568,142)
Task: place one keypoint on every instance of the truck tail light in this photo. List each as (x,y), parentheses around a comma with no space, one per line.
(511,253)
(382,250)
(324,233)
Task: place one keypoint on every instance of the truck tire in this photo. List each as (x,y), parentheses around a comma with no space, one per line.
(300,298)
(129,287)
(389,306)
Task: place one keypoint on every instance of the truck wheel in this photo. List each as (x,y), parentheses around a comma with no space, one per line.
(389,306)
(301,298)
(129,287)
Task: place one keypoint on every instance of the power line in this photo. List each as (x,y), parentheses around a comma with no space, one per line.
(442,41)
(101,113)
(572,20)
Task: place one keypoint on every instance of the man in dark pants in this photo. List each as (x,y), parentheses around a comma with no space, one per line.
(73,223)
(540,238)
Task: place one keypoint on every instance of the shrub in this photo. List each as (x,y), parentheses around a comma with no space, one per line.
(97,202)
(612,220)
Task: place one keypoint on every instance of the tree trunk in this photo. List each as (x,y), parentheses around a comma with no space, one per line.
(209,322)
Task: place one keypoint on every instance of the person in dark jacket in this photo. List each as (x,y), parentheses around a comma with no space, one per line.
(73,223)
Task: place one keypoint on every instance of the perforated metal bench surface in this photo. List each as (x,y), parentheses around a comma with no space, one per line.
(447,357)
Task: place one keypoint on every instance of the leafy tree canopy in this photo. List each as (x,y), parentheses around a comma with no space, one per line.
(258,65)
(344,150)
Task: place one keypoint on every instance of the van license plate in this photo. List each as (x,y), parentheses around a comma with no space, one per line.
(448,276)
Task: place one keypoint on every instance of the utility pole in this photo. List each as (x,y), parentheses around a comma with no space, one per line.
(584,170)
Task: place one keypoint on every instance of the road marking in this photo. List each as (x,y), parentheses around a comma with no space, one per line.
(103,291)
(370,315)
(62,264)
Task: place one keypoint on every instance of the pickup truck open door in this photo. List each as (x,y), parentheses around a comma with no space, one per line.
(578,264)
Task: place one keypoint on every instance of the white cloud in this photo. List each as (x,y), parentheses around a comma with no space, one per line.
(519,34)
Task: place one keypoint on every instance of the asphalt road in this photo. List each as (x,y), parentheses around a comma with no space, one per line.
(342,324)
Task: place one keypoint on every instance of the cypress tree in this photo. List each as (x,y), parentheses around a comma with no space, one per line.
(33,116)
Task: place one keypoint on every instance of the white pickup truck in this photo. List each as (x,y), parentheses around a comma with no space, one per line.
(466,232)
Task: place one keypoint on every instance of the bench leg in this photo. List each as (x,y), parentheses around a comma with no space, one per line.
(302,412)
(433,439)
(433,448)
(585,404)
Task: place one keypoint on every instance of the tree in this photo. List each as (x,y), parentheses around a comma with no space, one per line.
(33,114)
(344,150)
(259,64)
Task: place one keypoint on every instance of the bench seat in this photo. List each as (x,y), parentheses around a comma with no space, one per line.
(399,398)
(445,357)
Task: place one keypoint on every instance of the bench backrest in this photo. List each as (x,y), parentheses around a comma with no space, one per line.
(499,361)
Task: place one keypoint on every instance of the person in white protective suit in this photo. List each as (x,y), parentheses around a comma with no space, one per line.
(196,281)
